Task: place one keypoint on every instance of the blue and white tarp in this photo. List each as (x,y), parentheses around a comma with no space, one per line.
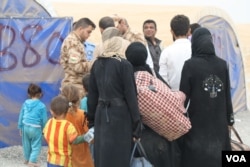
(29,52)
(24,8)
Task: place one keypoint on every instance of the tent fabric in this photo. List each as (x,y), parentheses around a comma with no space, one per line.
(23,8)
(30,51)
(30,42)
(228,48)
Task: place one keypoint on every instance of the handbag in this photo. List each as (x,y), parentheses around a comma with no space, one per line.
(141,161)
(161,108)
(238,145)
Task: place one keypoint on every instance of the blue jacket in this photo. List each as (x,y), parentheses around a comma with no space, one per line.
(89,50)
(83,104)
(34,113)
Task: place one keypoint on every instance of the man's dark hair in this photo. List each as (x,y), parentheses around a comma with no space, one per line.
(180,25)
(84,22)
(59,105)
(194,26)
(149,21)
(106,22)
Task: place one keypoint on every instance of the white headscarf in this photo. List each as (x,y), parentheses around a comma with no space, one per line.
(115,47)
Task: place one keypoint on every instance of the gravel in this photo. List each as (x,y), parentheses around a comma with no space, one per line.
(13,157)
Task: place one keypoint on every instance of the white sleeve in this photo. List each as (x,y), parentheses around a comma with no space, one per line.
(149,60)
(163,71)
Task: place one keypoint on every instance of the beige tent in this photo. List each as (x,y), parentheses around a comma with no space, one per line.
(227,47)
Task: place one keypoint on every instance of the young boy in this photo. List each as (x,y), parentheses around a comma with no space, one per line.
(60,134)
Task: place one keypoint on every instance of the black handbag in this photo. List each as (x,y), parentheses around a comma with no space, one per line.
(238,145)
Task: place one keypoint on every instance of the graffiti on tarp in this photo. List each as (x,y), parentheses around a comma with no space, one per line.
(6,53)
(29,52)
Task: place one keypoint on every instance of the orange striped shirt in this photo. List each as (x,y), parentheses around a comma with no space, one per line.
(59,135)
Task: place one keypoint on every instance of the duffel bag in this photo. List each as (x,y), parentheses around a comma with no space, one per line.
(161,108)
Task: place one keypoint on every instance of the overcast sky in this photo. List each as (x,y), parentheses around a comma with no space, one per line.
(238,10)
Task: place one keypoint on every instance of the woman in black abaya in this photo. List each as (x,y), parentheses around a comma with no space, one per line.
(205,81)
(160,151)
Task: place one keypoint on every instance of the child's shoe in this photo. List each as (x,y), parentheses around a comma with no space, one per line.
(31,164)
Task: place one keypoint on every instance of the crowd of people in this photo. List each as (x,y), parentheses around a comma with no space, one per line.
(96,119)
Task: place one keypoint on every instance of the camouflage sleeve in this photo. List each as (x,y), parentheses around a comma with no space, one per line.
(77,61)
(73,57)
(135,37)
(140,38)
(63,56)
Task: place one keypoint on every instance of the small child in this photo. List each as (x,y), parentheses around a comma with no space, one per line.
(60,134)
(85,84)
(80,153)
(84,107)
(32,119)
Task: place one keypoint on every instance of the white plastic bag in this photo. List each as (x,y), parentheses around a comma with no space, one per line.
(89,136)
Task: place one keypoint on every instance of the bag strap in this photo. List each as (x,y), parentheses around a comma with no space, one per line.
(140,149)
(153,72)
(236,134)
(187,114)
(133,152)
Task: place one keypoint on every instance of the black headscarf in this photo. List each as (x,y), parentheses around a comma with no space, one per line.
(202,43)
(137,54)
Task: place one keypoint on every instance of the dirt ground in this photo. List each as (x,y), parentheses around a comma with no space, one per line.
(242,125)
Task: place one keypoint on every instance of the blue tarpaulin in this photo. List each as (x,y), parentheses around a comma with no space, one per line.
(23,8)
(29,52)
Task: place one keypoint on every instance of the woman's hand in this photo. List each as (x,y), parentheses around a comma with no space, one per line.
(135,139)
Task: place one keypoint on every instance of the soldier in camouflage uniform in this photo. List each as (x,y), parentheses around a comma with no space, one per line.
(131,36)
(128,34)
(73,57)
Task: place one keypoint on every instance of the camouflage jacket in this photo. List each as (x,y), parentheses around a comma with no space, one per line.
(73,60)
(134,37)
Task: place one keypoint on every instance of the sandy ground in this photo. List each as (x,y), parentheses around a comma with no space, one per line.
(242,125)
(13,157)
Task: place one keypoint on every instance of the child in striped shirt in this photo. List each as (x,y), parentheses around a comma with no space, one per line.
(60,134)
